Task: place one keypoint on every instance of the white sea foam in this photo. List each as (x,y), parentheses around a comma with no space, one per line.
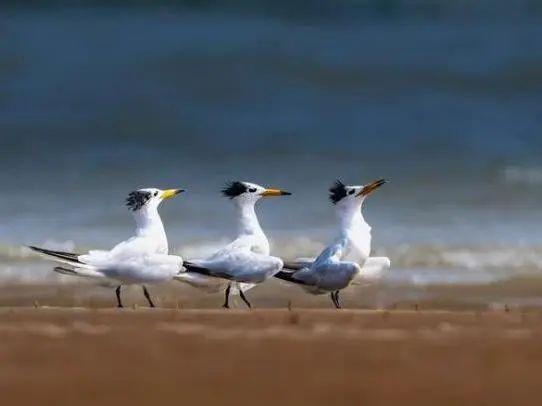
(420,264)
(531,175)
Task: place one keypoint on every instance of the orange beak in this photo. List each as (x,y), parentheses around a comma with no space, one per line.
(371,187)
(275,192)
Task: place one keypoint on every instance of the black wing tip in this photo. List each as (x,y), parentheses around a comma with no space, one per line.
(58,254)
(38,249)
(288,277)
(190,267)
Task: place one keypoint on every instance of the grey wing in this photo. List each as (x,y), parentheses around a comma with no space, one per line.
(241,266)
(305,276)
(315,272)
(330,276)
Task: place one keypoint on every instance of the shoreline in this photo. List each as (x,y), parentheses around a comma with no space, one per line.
(521,295)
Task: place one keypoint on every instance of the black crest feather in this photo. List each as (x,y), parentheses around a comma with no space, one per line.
(137,199)
(337,191)
(234,189)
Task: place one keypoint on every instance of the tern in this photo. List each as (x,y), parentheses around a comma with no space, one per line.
(347,257)
(140,260)
(246,260)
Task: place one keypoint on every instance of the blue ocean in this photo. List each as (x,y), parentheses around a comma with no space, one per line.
(443,99)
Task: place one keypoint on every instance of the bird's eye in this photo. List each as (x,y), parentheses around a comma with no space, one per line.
(155,193)
(351,192)
(252,189)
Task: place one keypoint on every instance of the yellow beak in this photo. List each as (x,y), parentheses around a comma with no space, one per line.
(168,194)
(275,192)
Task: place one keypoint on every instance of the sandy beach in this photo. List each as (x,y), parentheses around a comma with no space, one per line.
(51,355)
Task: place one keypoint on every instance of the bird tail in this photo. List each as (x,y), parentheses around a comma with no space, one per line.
(62,257)
(64,271)
(82,272)
(203,282)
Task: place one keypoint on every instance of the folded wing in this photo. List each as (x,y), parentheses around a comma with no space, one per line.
(237,265)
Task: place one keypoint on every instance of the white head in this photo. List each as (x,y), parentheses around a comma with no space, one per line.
(145,200)
(246,193)
(345,196)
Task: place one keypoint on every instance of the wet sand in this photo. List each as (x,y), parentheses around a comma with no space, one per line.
(275,356)
(277,295)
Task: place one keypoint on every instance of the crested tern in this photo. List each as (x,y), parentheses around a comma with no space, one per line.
(346,260)
(244,262)
(140,260)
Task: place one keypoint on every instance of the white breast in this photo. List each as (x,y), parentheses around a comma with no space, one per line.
(359,245)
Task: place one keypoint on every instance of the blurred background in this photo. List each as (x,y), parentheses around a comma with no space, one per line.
(442,98)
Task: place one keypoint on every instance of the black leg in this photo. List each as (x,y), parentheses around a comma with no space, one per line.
(119,302)
(244,299)
(146,293)
(337,301)
(226,304)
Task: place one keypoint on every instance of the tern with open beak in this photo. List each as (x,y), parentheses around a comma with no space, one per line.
(347,258)
(140,260)
(245,261)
